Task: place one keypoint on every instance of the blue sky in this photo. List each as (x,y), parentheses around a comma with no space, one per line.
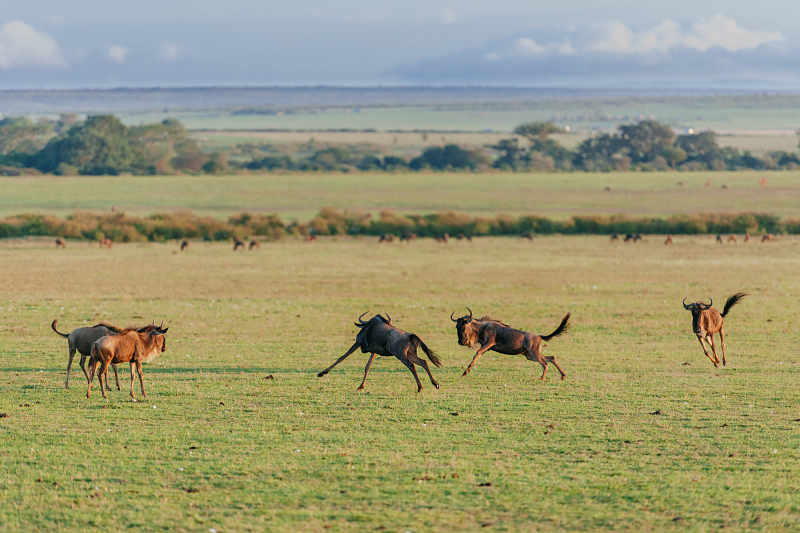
(91,43)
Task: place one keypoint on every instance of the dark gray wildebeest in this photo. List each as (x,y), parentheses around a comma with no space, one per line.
(491,334)
(81,340)
(379,336)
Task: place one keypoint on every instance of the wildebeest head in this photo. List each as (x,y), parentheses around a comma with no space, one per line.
(696,309)
(157,333)
(466,328)
(361,323)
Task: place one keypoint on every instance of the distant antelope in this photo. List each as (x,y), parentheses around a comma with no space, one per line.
(768,237)
(184,245)
(731,238)
(237,244)
(706,321)
(60,243)
(254,244)
(668,240)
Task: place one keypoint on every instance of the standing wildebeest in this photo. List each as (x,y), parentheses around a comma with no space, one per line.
(615,236)
(527,235)
(746,236)
(633,237)
(60,243)
(386,237)
(379,336)
(499,337)
(105,242)
(443,238)
(719,238)
(706,321)
(255,244)
(767,237)
(668,240)
(184,245)
(81,340)
(408,237)
(134,346)
(731,238)
(237,244)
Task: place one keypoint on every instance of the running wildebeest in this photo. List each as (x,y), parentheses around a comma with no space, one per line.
(767,237)
(615,236)
(379,336)
(408,237)
(105,242)
(527,235)
(494,335)
(81,340)
(60,243)
(184,245)
(237,244)
(255,244)
(134,346)
(443,238)
(719,238)
(706,321)
(310,237)
(668,240)
(386,237)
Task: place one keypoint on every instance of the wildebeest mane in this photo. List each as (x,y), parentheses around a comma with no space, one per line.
(487,318)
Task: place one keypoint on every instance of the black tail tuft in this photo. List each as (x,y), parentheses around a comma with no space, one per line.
(733,300)
(53,325)
(562,328)
(431,355)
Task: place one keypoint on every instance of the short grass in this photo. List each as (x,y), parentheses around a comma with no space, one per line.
(644,434)
(299,196)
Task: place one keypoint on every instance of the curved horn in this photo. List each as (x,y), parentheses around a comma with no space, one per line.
(389,317)
(710,302)
(470,313)
(684,304)
(360,321)
(453,319)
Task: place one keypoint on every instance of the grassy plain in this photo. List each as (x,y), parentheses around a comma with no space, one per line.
(217,446)
(299,196)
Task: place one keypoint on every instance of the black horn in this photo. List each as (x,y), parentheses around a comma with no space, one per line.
(389,318)
(470,313)
(361,322)
(684,304)
(710,302)
(453,319)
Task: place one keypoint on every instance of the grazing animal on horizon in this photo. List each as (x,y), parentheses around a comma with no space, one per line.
(706,321)
(494,335)
(255,244)
(60,243)
(379,336)
(81,340)
(668,240)
(134,346)
(184,245)
(386,237)
(767,237)
(237,244)
(105,242)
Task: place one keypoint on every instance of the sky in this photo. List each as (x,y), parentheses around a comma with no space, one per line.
(591,43)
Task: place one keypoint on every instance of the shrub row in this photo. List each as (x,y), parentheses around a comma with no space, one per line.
(186,225)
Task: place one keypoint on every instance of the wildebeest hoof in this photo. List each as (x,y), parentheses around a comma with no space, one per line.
(563,378)
(320,374)
(361,387)
(436,385)
(465,373)
(133,399)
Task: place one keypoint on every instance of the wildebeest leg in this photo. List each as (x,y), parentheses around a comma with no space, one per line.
(141,381)
(366,371)
(69,364)
(103,372)
(90,377)
(342,358)
(703,346)
(133,380)
(714,349)
(83,359)
(411,367)
(116,376)
(478,354)
(424,364)
(552,359)
(722,343)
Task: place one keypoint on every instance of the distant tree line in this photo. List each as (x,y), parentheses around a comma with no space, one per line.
(104,145)
(185,225)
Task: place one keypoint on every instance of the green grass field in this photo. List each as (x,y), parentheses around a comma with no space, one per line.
(217,446)
(300,196)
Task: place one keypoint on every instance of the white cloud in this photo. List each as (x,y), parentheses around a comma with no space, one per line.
(116,53)
(718,31)
(169,52)
(23,46)
(526,46)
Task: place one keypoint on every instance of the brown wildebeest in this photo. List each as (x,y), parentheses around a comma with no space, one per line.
(706,321)
(134,346)
(527,235)
(443,238)
(237,244)
(746,236)
(60,243)
(184,245)
(668,240)
(310,237)
(615,236)
(408,237)
(105,242)
(767,237)
(494,335)
(379,336)
(731,238)
(81,340)
(255,244)
(386,237)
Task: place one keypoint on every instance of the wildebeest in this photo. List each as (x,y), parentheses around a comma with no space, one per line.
(237,244)
(615,236)
(386,237)
(494,335)
(81,340)
(719,238)
(310,237)
(105,242)
(134,346)
(408,237)
(767,237)
(443,238)
(731,238)
(633,237)
(706,321)
(60,243)
(668,240)
(527,235)
(184,245)
(746,236)
(255,244)
(379,336)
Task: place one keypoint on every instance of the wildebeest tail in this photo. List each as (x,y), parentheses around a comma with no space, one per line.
(53,325)
(562,328)
(733,300)
(432,356)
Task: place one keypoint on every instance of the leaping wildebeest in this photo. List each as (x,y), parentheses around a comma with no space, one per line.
(494,335)
(134,346)
(237,244)
(706,321)
(184,245)
(81,340)
(379,336)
